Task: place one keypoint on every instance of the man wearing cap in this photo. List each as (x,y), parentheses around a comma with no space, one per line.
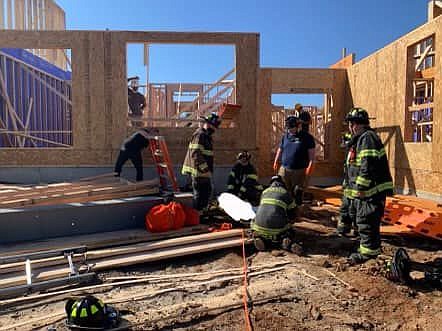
(198,162)
(294,157)
(131,150)
(243,179)
(367,181)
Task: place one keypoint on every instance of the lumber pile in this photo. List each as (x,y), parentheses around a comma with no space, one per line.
(12,274)
(102,187)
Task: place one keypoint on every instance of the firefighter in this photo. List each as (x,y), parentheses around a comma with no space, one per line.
(273,222)
(243,180)
(198,163)
(294,157)
(136,101)
(367,182)
(347,213)
(131,150)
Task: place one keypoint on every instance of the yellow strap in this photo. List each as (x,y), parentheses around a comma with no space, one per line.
(273,202)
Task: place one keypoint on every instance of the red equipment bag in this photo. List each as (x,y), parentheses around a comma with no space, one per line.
(162,218)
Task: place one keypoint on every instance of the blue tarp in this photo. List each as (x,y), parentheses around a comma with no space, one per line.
(37,62)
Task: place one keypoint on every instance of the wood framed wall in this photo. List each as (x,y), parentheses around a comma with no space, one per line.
(303,81)
(99,91)
(380,83)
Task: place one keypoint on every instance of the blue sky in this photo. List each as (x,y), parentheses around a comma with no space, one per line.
(294,33)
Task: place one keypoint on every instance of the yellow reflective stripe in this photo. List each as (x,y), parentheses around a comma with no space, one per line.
(74,312)
(101,303)
(252,176)
(368,251)
(232,174)
(274,202)
(243,189)
(268,231)
(195,146)
(189,170)
(276,189)
(362,181)
(368,193)
(230,187)
(83,312)
(203,166)
(369,153)
(207,152)
(94,309)
(259,187)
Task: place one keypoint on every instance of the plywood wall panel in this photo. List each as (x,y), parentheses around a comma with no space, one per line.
(378,83)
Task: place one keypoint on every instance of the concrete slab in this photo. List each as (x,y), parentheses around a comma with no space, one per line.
(43,222)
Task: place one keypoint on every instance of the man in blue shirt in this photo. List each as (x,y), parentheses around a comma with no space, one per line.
(294,158)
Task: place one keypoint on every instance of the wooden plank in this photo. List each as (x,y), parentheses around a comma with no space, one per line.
(29,15)
(97,241)
(9,11)
(131,259)
(2,14)
(19,15)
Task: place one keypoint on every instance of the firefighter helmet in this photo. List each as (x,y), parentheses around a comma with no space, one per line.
(358,116)
(213,119)
(90,312)
(244,155)
(276,179)
(291,122)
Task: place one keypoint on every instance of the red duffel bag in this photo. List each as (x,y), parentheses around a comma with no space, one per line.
(162,218)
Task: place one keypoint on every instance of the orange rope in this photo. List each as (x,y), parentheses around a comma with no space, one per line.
(244,296)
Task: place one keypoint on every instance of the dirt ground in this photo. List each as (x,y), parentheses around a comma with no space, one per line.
(316,291)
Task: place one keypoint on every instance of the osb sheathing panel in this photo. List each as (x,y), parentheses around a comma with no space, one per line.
(289,81)
(99,95)
(378,83)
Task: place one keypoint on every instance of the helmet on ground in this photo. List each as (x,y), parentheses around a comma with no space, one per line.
(244,155)
(90,312)
(398,269)
(305,117)
(212,119)
(86,312)
(291,122)
(298,107)
(358,116)
(276,179)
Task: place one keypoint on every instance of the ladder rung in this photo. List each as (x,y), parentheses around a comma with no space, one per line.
(158,153)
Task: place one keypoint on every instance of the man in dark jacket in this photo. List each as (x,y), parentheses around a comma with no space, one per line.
(199,161)
(243,180)
(367,181)
(131,150)
(274,218)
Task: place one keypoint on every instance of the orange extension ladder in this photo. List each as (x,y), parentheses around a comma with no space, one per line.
(161,158)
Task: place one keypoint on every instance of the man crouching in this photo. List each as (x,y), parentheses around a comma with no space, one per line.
(272,226)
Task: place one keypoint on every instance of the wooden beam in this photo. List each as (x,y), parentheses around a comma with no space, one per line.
(19,15)
(423,56)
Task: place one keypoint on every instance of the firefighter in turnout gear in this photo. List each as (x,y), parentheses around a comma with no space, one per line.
(198,163)
(243,180)
(273,222)
(347,214)
(367,182)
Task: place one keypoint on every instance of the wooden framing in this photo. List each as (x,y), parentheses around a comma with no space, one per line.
(99,95)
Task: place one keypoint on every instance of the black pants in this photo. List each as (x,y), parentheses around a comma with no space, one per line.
(347,215)
(136,159)
(202,189)
(369,213)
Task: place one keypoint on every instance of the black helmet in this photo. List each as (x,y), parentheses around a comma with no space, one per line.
(291,121)
(244,155)
(212,119)
(276,179)
(305,117)
(358,115)
(90,312)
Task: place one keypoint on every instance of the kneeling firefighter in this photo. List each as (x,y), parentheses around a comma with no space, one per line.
(273,222)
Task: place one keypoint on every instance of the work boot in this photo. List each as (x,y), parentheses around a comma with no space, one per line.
(358,258)
(260,245)
(286,243)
